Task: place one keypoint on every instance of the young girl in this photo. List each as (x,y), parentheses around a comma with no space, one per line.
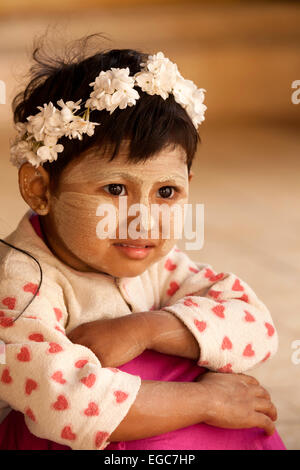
(109,340)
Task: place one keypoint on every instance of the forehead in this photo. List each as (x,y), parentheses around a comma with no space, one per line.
(168,163)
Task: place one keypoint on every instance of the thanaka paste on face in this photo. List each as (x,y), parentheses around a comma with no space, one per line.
(94,167)
(74,209)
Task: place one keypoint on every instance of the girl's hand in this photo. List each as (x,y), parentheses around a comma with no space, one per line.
(237,401)
(114,341)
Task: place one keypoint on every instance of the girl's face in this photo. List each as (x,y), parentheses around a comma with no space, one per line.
(73,225)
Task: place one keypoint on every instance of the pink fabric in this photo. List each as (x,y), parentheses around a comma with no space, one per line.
(35,222)
(14,434)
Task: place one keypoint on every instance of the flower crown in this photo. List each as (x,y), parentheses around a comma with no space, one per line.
(36,141)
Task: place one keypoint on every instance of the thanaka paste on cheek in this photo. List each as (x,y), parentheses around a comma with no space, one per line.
(75,220)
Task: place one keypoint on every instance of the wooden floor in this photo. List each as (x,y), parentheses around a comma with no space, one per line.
(247,170)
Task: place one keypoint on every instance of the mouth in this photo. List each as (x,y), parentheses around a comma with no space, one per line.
(135,250)
(136,245)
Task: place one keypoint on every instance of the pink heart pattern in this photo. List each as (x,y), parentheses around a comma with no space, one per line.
(226,344)
(30,414)
(100,438)
(58,377)
(61,403)
(172,288)
(248,351)
(270,329)
(92,409)
(120,396)
(89,380)
(9,302)
(201,325)
(30,287)
(248,317)
(169,265)
(68,434)
(219,311)
(5,377)
(237,285)
(30,385)
(24,354)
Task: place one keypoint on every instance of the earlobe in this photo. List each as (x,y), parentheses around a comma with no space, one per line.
(34,188)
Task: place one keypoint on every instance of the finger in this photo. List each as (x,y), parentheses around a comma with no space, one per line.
(266,407)
(262,393)
(265,423)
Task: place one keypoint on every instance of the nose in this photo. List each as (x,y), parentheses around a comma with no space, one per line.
(146,221)
(142,211)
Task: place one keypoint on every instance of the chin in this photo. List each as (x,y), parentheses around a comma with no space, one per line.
(131,269)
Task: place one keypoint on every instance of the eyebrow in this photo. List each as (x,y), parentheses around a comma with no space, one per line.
(135,178)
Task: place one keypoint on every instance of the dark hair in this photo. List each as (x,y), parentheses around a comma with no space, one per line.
(150,125)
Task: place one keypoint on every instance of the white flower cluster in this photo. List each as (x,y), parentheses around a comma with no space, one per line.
(36,140)
(113,89)
(161,77)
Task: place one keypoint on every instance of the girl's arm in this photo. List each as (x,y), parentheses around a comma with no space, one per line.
(116,341)
(223,400)
(233,328)
(61,388)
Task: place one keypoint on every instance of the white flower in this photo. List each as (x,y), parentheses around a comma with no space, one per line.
(67,111)
(158,77)
(190,98)
(112,89)
(48,152)
(46,122)
(21,152)
(183,90)
(195,107)
(80,126)
(198,107)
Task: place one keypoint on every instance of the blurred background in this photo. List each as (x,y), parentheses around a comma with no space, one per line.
(247,170)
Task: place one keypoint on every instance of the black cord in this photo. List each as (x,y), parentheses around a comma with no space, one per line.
(41,274)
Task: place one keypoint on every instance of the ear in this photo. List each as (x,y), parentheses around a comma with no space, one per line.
(34,186)
(191,174)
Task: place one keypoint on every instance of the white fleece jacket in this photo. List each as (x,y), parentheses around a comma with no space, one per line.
(64,393)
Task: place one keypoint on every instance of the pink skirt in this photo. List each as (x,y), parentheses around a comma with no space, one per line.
(14,434)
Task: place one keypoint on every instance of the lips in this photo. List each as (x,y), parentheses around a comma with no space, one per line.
(134,251)
(136,244)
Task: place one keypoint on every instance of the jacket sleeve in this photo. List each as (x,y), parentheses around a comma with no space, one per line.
(233,328)
(60,387)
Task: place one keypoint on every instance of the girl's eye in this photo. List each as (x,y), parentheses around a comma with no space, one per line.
(115,189)
(166,191)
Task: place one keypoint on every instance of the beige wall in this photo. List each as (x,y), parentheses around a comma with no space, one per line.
(35,6)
